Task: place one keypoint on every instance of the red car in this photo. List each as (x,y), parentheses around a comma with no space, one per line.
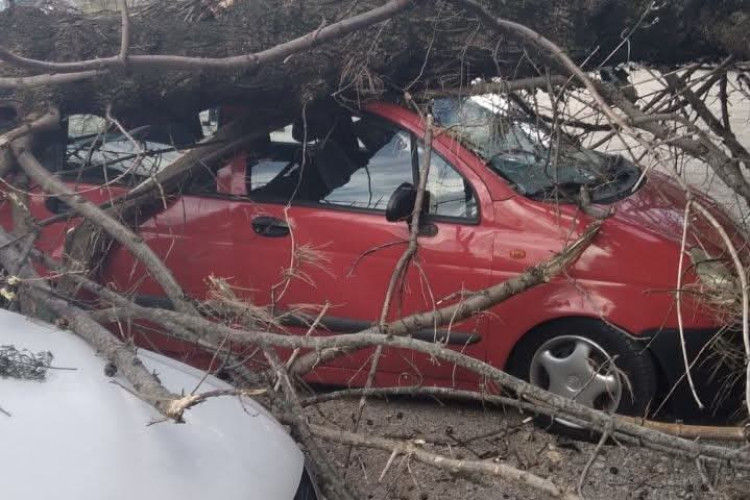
(302,218)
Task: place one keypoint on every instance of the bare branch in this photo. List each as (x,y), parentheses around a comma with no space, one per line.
(480,301)
(18,82)
(125,37)
(246,61)
(527,35)
(722,130)
(144,383)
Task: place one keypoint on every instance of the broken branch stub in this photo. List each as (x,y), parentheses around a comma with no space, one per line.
(145,384)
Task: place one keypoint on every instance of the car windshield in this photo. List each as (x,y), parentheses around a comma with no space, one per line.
(536,165)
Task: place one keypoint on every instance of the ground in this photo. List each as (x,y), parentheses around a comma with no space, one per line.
(469,430)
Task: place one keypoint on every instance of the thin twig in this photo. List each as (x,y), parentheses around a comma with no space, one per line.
(401,269)
(740,270)
(678,299)
(584,474)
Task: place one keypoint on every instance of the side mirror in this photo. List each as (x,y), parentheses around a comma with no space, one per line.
(401,204)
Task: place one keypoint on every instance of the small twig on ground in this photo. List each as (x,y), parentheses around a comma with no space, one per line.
(416,450)
(584,474)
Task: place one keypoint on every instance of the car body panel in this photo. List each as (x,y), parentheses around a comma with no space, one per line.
(626,277)
(77,435)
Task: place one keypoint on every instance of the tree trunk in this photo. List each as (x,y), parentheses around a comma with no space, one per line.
(432,43)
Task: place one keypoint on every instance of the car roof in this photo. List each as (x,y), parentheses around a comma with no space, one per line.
(76,435)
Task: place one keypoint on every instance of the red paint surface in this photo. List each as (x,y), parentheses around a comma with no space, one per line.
(626,277)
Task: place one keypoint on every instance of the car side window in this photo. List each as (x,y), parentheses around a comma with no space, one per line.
(355,163)
(450,194)
(97,151)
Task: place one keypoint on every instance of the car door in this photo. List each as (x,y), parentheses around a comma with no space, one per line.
(313,232)
(454,260)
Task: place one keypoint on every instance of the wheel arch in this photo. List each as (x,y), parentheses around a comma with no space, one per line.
(567,320)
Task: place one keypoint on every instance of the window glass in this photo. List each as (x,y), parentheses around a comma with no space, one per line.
(284,136)
(264,171)
(450,194)
(524,154)
(357,164)
(98,151)
(371,185)
(209,120)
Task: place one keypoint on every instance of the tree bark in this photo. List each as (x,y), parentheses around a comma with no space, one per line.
(432,43)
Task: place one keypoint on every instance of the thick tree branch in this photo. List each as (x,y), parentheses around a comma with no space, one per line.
(145,384)
(332,483)
(623,428)
(553,51)
(125,36)
(717,433)
(246,61)
(470,306)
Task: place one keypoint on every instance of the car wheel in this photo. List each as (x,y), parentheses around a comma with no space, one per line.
(589,361)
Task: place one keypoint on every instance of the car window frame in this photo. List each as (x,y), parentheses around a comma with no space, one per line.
(415,167)
(428,217)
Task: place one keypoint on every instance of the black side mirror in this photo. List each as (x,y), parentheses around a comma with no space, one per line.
(401,204)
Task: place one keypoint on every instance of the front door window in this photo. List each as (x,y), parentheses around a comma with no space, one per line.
(357,165)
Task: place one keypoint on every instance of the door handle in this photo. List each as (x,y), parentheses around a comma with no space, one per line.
(55,205)
(270,227)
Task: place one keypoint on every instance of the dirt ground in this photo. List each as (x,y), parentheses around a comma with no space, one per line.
(471,431)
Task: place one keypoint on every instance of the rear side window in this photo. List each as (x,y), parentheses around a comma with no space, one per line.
(98,151)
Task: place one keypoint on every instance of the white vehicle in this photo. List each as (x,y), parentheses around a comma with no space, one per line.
(77,436)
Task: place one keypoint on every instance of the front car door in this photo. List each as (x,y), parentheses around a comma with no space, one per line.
(313,232)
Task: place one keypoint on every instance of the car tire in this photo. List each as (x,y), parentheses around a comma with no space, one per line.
(572,358)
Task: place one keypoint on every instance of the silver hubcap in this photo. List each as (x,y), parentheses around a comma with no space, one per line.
(579,369)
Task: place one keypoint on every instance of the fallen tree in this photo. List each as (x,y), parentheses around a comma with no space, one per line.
(178,61)
(153,64)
